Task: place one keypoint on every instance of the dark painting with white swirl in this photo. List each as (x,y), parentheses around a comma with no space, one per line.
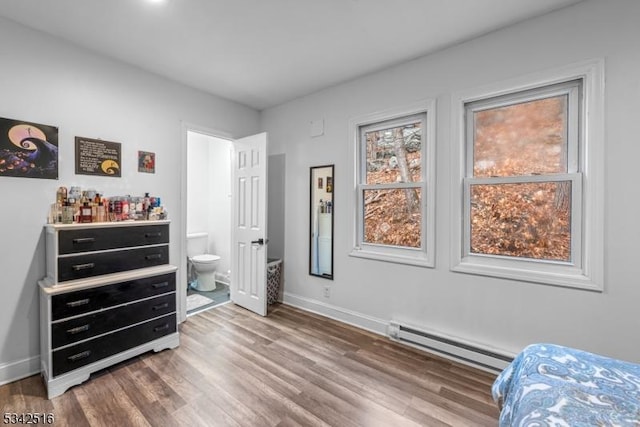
(28,150)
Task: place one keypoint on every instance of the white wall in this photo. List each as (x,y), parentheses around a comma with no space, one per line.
(220,202)
(51,82)
(209,193)
(198,183)
(276,205)
(501,313)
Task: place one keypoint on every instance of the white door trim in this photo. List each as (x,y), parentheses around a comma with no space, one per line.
(182,264)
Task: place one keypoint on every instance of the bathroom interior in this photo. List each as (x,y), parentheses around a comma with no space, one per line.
(208,221)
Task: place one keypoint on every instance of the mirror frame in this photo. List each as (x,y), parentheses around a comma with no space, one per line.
(312,187)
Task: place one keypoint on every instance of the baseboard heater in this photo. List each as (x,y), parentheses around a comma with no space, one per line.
(452,348)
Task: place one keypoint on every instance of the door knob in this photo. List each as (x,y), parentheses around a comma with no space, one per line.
(260,241)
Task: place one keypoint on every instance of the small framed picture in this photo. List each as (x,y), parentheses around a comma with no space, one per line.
(320,182)
(329,184)
(146,162)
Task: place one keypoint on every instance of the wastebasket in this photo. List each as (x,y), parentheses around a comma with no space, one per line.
(274,271)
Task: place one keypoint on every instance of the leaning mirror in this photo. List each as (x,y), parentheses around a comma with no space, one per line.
(321,220)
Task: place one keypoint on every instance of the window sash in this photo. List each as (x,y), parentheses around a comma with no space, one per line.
(575,211)
(389,124)
(572,89)
(396,186)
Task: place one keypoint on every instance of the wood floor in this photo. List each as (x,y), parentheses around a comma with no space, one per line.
(292,368)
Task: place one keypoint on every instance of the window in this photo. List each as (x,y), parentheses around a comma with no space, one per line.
(529,190)
(394,174)
(522,176)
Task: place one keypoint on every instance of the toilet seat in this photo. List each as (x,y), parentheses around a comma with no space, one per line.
(205,258)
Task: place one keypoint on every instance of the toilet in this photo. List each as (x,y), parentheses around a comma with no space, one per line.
(202,262)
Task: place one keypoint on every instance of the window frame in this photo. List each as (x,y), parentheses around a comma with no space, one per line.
(585,166)
(423,256)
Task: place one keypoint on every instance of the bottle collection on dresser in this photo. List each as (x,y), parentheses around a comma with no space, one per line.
(81,206)
(109,295)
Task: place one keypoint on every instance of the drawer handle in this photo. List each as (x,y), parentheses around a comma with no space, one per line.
(153,256)
(86,266)
(161,328)
(79,356)
(153,235)
(84,240)
(77,330)
(160,285)
(160,306)
(78,303)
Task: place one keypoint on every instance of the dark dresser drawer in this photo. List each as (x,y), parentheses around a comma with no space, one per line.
(97,239)
(87,300)
(84,327)
(75,356)
(109,294)
(99,263)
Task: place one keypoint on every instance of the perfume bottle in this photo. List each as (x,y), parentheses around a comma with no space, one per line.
(67,213)
(85,213)
(101,214)
(61,195)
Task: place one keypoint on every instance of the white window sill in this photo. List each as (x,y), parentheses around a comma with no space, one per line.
(554,275)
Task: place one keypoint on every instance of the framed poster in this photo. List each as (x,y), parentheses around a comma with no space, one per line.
(98,157)
(28,150)
(146,162)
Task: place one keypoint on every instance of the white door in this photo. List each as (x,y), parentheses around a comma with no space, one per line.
(249,240)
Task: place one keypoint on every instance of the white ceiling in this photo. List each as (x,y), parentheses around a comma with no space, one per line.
(264,52)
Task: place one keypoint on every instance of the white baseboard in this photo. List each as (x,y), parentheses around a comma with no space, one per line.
(475,359)
(14,371)
(363,321)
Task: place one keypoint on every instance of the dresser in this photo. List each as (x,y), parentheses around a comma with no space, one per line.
(109,295)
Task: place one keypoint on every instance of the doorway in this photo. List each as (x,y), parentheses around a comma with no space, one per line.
(208,219)
(244,269)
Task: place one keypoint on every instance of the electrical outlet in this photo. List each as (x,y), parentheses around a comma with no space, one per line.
(327,291)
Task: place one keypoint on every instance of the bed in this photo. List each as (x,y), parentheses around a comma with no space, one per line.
(551,385)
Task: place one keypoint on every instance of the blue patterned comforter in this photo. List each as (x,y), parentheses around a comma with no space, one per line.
(550,385)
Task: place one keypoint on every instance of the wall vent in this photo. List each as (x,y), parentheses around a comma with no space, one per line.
(450,347)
